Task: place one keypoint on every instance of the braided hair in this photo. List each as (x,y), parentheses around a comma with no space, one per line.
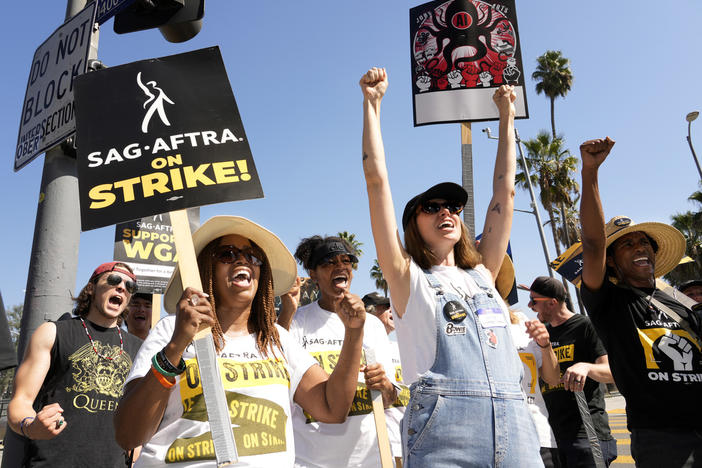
(262,318)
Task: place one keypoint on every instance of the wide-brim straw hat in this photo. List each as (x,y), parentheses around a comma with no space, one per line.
(281,261)
(505,278)
(671,242)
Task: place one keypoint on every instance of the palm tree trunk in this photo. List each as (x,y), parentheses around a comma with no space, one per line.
(553,117)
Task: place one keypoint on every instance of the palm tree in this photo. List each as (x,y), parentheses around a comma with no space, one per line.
(355,245)
(550,166)
(690,224)
(377,274)
(555,78)
(351,239)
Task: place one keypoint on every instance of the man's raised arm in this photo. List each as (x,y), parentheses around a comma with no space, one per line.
(593,153)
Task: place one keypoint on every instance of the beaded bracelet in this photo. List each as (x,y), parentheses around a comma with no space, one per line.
(166,364)
(24,424)
(165,383)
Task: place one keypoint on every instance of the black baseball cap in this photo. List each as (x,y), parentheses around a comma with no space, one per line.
(689,284)
(375,299)
(548,287)
(446,190)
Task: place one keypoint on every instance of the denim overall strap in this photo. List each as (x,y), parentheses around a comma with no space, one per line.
(470,402)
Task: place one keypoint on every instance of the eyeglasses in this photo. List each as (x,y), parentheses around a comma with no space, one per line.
(431,207)
(230,253)
(334,261)
(115,280)
(538,299)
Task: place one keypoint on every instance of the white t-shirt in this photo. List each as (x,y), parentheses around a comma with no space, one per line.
(530,354)
(395,413)
(259,391)
(354,442)
(416,330)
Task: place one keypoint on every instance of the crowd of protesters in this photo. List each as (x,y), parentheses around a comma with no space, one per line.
(465,380)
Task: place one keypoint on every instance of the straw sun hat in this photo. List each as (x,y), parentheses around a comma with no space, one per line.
(282,264)
(671,243)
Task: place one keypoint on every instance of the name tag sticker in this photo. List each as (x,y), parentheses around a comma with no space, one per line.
(491,318)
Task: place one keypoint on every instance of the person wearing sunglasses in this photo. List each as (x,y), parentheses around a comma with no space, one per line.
(466,405)
(72,376)
(583,367)
(319,329)
(263,370)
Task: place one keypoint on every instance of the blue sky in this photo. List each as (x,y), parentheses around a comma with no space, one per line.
(294,68)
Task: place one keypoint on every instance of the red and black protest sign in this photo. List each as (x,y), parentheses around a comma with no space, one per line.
(460,50)
(160,135)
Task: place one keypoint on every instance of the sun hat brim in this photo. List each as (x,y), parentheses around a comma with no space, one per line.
(671,242)
(505,278)
(282,263)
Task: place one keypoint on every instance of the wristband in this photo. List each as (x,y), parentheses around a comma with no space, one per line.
(543,347)
(24,424)
(165,383)
(166,364)
(157,365)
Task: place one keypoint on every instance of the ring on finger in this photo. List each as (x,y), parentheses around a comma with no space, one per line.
(194,300)
(59,423)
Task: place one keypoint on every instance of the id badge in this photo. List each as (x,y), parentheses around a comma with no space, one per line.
(491,318)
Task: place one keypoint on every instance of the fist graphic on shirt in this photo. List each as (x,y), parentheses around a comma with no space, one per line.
(678,349)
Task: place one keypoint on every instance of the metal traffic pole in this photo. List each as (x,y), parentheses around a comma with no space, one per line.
(54,258)
(534,206)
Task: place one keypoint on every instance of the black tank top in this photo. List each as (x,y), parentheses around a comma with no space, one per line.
(88,387)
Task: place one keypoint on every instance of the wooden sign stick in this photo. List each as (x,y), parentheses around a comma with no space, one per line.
(381,427)
(155,309)
(210,379)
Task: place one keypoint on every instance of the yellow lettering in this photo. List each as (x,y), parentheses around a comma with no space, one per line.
(225,172)
(102,196)
(193,176)
(127,187)
(155,182)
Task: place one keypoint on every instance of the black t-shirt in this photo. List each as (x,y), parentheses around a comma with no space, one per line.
(656,365)
(88,388)
(575,340)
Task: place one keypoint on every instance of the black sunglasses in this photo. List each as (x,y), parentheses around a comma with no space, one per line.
(114,279)
(230,253)
(431,207)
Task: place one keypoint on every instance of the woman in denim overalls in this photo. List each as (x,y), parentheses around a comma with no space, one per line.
(466,407)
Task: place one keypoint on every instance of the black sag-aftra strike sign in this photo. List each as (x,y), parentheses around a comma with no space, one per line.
(460,51)
(160,135)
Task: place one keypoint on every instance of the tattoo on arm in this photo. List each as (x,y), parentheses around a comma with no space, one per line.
(500,177)
(497,208)
(365,156)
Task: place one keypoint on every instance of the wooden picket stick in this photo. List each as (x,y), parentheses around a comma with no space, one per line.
(210,379)
(155,309)
(381,427)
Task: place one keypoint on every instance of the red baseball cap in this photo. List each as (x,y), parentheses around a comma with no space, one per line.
(112,266)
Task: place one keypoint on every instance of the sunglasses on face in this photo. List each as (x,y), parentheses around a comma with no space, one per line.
(229,254)
(533,300)
(431,207)
(115,280)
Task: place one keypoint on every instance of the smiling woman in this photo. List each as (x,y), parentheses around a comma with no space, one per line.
(319,329)
(262,369)
(455,347)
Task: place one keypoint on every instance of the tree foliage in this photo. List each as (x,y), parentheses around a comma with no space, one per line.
(554,78)
(690,224)
(376,274)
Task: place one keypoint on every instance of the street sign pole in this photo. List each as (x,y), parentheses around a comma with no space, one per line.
(54,257)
